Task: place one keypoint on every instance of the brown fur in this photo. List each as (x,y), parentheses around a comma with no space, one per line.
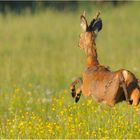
(99,82)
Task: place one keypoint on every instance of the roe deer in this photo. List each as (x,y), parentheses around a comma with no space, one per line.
(98,81)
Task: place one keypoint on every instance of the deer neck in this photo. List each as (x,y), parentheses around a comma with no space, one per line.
(92,57)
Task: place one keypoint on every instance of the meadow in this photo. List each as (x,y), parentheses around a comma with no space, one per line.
(39,57)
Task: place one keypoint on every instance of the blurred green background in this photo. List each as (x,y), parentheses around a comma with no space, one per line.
(33,6)
(39,40)
(39,57)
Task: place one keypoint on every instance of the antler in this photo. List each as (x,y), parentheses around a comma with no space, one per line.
(84,13)
(96,23)
(97,15)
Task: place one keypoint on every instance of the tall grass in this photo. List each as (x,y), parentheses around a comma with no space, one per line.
(39,56)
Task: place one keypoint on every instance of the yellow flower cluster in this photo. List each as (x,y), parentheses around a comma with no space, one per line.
(33,116)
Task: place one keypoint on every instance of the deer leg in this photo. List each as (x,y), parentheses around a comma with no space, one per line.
(73,84)
(135,96)
(138,83)
(123,84)
(78,94)
(73,91)
(125,91)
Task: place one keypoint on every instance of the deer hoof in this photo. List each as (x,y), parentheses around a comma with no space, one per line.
(130,102)
(73,93)
(77,97)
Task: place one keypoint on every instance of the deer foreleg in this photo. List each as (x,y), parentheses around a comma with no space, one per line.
(78,94)
(73,91)
(73,84)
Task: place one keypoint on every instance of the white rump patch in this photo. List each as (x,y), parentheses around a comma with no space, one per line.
(125,75)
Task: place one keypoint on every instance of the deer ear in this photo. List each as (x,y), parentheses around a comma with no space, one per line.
(97,25)
(83,23)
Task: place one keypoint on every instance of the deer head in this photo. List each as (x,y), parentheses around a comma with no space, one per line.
(89,34)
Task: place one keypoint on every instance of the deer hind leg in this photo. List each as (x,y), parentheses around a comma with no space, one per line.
(73,88)
(133,86)
(123,84)
(125,91)
(135,96)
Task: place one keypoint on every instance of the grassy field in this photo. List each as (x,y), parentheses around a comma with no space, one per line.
(39,57)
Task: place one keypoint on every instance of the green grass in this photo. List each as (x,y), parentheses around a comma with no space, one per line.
(39,56)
